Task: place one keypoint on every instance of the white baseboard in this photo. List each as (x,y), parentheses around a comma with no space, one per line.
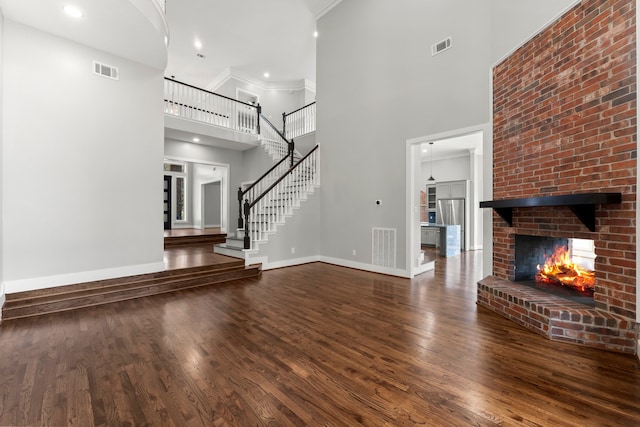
(288,262)
(35,283)
(367,267)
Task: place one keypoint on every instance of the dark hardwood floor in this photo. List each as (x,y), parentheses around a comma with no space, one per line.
(312,345)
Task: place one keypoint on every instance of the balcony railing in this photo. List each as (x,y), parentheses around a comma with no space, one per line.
(190,102)
(300,122)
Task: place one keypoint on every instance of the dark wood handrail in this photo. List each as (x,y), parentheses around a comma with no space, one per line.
(195,108)
(264,175)
(274,128)
(211,93)
(271,187)
(299,109)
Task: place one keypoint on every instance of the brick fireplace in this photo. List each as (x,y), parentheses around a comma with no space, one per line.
(565,124)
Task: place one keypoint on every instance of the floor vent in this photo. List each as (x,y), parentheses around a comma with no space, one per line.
(383,247)
(105,70)
(441,46)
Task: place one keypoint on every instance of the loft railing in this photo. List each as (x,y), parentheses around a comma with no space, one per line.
(299,122)
(263,209)
(193,103)
(274,141)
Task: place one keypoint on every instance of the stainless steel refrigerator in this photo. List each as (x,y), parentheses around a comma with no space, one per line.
(451,212)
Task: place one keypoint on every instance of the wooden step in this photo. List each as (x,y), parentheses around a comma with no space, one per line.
(71,297)
(202,239)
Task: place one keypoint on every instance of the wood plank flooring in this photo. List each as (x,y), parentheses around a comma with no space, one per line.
(312,345)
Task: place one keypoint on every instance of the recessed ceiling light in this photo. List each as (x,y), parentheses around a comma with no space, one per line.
(198,44)
(73,11)
(266,75)
(315,34)
(196,139)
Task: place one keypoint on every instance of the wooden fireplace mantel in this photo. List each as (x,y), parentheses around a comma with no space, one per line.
(582,205)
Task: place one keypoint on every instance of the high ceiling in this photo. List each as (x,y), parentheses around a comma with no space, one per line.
(244,37)
(247,37)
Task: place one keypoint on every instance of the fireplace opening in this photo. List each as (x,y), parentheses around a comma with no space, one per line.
(556,265)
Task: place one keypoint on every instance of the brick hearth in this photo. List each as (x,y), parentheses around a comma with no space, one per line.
(555,317)
(564,123)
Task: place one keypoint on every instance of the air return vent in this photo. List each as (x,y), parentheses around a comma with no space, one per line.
(441,46)
(383,247)
(105,70)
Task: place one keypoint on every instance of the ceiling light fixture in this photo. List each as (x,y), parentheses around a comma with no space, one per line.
(73,11)
(196,139)
(315,34)
(198,44)
(431,178)
(266,75)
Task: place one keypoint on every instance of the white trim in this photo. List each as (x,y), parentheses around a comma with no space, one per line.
(242,77)
(535,33)
(43,282)
(327,8)
(246,92)
(287,263)
(411,152)
(203,204)
(366,267)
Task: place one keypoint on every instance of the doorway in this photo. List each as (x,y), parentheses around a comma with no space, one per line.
(450,154)
(211,204)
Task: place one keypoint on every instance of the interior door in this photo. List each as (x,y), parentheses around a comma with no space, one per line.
(167,202)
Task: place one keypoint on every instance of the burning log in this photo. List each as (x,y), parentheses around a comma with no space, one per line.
(559,269)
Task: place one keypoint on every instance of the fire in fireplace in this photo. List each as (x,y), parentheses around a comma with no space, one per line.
(560,266)
(560,269)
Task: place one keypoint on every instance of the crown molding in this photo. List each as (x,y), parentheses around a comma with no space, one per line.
(231,73)
(327,8)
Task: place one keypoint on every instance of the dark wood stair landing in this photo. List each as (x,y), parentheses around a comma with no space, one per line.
(187,267)
(188,237)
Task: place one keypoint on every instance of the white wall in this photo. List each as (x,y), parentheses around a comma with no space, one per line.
(274,102)
(81,166)
(379,86)
(2,291)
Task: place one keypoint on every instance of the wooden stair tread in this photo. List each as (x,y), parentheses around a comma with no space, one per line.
(127,288)
(128,279)
(198,239)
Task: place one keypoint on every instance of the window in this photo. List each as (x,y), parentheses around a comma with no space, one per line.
(181,191)
(178,170)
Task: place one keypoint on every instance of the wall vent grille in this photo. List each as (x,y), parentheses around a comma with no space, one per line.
(105,70)
(440,46)
(383,247)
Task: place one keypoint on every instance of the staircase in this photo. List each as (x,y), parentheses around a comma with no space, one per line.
(270,200)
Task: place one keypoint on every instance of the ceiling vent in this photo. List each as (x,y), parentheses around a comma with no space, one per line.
(441,46)
(105,70)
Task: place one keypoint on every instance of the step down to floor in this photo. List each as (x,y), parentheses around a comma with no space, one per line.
(199,239)
(71,297)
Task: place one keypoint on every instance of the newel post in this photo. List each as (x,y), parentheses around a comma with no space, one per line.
(247,239)
(284,124)
(258,112)
(291,146)
(240,223)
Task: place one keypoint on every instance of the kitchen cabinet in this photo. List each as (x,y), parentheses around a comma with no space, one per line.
(451,190)
(430,236)
(431,197)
